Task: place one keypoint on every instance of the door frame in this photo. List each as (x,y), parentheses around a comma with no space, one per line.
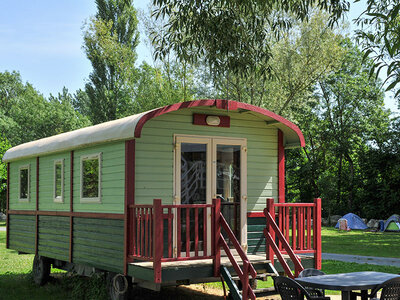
(212,142)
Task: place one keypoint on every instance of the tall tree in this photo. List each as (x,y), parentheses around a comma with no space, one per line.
(307,52)
(110,40)
(4,145)
(348,118)
(25,115)
(380,37)
(231,36)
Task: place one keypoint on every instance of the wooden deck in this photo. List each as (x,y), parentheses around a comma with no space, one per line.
(194,271)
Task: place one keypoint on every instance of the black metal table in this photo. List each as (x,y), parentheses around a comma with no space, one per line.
(347,282)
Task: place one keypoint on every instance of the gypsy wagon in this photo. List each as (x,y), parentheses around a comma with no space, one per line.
(180,194)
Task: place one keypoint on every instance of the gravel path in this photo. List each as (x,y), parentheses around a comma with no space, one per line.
(372,260)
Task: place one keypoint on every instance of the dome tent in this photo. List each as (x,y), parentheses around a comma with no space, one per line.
(392,223)
(353,222)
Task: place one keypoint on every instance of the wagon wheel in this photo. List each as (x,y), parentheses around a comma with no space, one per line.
(119,286)
(41,270)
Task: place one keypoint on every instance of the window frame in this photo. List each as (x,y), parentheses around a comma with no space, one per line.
(61,198)
(82,159)
(24,167)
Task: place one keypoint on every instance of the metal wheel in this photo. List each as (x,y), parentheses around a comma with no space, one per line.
(41,270)
(119,286)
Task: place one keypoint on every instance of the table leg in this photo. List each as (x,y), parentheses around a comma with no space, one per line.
(364,295)
(346,295)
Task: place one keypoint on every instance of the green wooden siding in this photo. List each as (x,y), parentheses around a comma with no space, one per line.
(255,236)
(54,237)
(112,178)
(15,203)
(22,233)
(46,182)
(99,243)
(155,154)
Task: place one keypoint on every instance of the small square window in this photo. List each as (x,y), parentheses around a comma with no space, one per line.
(59,181)
(24,183)
(91,178)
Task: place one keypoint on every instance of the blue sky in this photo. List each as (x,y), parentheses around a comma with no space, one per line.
(42,39)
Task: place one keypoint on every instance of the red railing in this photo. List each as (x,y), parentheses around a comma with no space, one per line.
(153,231)
(299,231)
(247,269)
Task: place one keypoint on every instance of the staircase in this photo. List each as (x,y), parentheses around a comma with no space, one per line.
(277,244)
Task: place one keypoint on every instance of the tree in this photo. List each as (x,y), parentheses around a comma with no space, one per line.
(307,52)
(26,115)
(347,121)
(4,146)
(231,36)
(380,38)
(110,40)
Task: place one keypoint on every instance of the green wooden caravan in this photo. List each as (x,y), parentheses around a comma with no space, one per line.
(180,194)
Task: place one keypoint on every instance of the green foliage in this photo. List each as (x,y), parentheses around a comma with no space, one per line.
(382,244)
(25,115)
(380,38)
(110,40)
(4,146)
(347,120)
(307,52)
(231,36)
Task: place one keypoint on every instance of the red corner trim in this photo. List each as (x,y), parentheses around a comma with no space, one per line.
(8,207)
(255,214)
(281,168)
(220,104)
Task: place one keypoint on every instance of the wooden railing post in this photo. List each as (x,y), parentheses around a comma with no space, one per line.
(217,233)
(268,247)
(245,280)
(317,233)
(157,239)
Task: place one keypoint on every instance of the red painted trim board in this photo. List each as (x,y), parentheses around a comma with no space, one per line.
(281,168)
(8,206)
(37,208)
(129,198)
(220,104)
(68,214)
(71,206)
(201,119)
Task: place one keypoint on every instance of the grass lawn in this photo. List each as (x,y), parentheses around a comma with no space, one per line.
(383,244)
(2,223)
(16,280)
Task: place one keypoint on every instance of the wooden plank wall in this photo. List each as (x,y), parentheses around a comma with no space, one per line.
(22,233)
(155,154)
(255,236)
(99,242)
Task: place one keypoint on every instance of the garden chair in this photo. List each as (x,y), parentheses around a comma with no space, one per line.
(312,272)
(390,290)
(289,289)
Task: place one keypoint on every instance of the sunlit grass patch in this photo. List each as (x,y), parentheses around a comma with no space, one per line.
(357,242)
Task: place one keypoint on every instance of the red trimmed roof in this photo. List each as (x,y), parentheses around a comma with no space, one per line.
(289,129)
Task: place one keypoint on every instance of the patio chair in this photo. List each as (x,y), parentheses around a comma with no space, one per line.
(390,290)
(312,272)
(289,289)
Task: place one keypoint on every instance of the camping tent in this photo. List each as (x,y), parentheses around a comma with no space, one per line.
(353,222)
(392,223)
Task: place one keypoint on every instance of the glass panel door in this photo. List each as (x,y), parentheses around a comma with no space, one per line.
(228,187)
(193,191)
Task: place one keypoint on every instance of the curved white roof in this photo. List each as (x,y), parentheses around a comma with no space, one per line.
(109,131)
(131,127)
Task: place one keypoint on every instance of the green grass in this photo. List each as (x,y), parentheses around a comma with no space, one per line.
(2,223)
(16,280)
(383,244)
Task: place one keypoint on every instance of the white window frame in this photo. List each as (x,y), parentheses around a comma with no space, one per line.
(24,167)
(59,199)
(91,199)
